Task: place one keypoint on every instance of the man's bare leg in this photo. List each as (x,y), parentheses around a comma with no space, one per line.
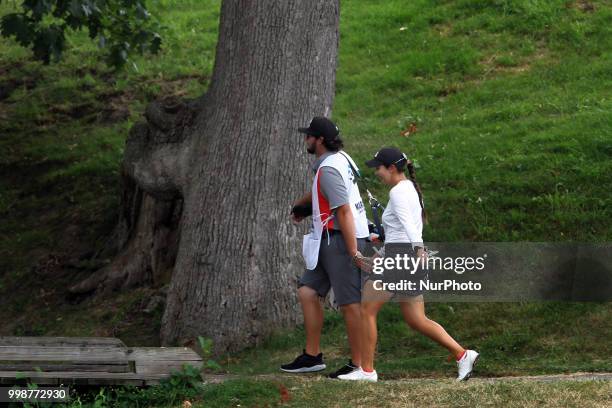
(313,318)
(352,319)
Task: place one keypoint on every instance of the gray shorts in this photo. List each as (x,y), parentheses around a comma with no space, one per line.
(396,276)
(335,269)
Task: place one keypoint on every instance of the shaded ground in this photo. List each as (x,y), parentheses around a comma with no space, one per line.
(218,378)
(415,393)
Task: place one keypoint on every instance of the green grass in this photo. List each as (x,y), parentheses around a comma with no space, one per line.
(303,392)
(511,100)
(513,339)
(326,393)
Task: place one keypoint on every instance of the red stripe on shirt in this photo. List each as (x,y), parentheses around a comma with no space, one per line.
(324,205)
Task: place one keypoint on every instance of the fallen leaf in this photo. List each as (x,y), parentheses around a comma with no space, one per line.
(284,393)
(411,129)
(189,342)
(186,404)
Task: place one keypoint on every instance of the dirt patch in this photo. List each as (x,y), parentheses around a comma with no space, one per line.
(444,29)
(117,103)
(113,107)
(585,6)
(448,90)
(176,87)
(15,171)
(76,111)
(108,107)
(3,114)
(9,83)
(492,65)
(116,107)
(107,76)
(7,87)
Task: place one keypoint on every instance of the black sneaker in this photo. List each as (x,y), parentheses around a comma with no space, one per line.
(346,369)
(305,363)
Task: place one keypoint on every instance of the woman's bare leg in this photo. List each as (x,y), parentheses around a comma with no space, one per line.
(414,314)
(372,302)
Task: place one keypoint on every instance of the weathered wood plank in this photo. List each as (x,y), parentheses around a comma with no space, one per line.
(124,367)
(156,360)
(62,341)
(162,354)
(77,374)
(100,361)
(162,367)
(10,377)
(69,354)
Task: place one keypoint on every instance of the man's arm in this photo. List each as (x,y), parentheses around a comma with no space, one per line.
(304,200)
(347,226)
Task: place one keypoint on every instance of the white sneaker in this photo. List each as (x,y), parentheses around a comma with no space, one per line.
(466,365)
(360,375)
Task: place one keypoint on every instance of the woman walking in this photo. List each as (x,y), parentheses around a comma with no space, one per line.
(403,224)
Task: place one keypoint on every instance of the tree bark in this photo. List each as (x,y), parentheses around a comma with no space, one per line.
(220,173)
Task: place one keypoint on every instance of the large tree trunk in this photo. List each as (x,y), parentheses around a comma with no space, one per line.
(220,174)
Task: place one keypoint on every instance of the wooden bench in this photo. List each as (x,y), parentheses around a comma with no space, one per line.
(88,360)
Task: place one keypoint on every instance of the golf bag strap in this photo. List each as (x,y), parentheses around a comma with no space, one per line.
(374,204)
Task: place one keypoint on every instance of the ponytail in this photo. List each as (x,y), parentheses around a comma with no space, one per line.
(412,176)
(399,165)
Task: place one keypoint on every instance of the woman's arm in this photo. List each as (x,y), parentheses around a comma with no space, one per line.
(403,207)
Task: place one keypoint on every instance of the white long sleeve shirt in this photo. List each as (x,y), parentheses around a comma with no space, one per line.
(402,217)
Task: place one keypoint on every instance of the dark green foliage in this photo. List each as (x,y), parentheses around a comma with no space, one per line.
(122,27)
(182,385)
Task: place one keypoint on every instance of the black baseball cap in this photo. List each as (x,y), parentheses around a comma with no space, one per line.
(386,157)
(321,126)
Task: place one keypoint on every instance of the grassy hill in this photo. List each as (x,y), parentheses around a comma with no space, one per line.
(511,104)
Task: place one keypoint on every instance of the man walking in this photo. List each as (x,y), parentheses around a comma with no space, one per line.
(338,234)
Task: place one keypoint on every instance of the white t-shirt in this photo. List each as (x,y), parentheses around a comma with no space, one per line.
(402,217)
